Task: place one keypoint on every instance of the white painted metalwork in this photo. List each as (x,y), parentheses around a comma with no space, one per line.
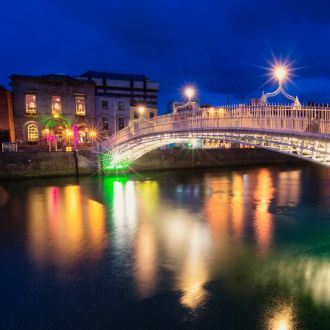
(303,132)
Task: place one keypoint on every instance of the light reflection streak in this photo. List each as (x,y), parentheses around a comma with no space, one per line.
(289,187)
(263,195)
(146,264)
(72,227)
(195,268)
(308,276)
(281,315)
(217,208)
(237,206)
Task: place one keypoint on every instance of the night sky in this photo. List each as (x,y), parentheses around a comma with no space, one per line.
(222,47)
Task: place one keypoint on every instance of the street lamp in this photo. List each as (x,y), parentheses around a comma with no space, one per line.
(189,92)
(92,134)
(141,110)
(280,72)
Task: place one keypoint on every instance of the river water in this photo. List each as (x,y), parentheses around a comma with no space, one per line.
(243,248)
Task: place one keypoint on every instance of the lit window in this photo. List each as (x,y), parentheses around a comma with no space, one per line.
(121,106)
(105,105)
(30,104)
(56,105)
(32,132)
(80,106)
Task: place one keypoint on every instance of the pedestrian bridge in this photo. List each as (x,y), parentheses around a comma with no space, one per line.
(300,131)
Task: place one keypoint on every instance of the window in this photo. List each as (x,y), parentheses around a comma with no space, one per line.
(121,106)
(56,105)
(105,105)
(80,106)
(30,104)
(32,132)
(152,115)
(105,123)
(136,115)
(121,123)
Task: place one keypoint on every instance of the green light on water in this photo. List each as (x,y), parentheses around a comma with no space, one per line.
(109,165)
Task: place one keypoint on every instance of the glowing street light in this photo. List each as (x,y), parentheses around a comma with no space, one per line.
(141,110)
(189,92)
(92,134)
(69,132)
(280,72)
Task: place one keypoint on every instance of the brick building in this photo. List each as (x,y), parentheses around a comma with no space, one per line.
(53,106)
(7,130)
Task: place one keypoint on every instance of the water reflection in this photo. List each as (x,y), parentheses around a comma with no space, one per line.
(64,227)
(3,197)
(263,195)
(280,315)
(183,236)
(308,276)
(289,188)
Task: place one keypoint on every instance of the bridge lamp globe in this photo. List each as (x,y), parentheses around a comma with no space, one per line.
(189,92)
(280,73)
(141,110)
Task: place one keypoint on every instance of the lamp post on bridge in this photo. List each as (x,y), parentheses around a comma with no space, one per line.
(280,73)
(190,93)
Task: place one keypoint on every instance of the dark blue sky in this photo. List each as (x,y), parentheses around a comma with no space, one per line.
(223,47)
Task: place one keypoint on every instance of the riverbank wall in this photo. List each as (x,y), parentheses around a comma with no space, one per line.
(45,164)
(53,164)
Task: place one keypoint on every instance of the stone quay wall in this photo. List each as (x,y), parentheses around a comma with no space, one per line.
(45,164)
(52,164)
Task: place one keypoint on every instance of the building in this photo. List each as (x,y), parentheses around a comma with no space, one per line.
(7,130)
(53,108)
(141,112)
(116,93)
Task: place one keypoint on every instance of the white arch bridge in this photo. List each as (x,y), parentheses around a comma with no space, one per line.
(300,131)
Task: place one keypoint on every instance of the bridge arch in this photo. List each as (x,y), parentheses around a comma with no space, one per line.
(303,133)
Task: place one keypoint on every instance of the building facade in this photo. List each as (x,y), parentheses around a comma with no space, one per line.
(53,108)
(116,94)
(143,113)
(7,129)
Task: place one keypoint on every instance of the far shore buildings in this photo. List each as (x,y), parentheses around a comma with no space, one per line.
(119,98)
(73,111)
(53,106)
(7,130)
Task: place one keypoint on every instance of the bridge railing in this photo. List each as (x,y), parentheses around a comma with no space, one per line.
(281,118)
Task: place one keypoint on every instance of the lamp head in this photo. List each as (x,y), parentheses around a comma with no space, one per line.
(189,92)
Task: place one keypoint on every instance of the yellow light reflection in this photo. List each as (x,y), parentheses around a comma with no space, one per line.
(217,207)
(281,317)
(70,228)
(263,195)
(237,207)
(148,192)
(289,188)
(96,227)
(195,269)
(145,260)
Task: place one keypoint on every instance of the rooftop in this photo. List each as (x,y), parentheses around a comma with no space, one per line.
(114,76)
(49,78)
